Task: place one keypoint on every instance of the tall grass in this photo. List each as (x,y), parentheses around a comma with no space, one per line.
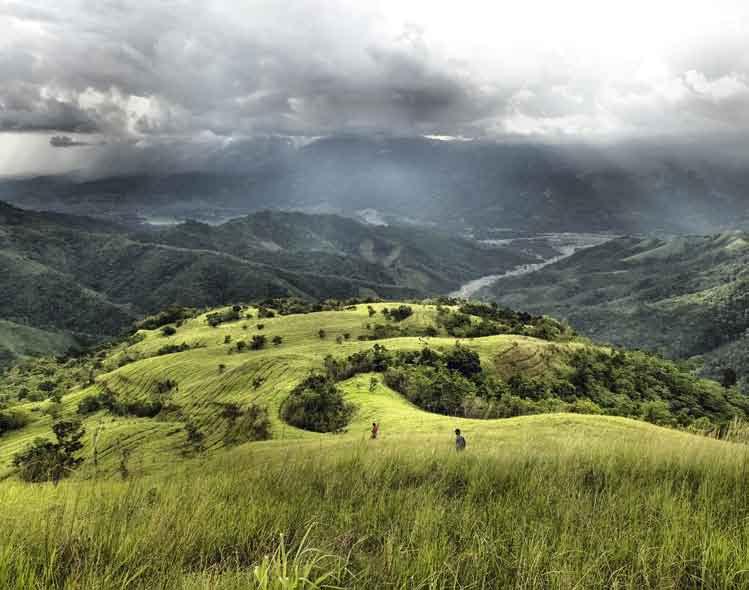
(583,513)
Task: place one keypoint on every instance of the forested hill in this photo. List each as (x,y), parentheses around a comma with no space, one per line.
(684,296)
(75,276)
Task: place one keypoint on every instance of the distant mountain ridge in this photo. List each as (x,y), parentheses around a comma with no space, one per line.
(456,185)
(683,296)
(91,278)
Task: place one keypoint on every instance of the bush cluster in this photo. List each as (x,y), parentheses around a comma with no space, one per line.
(317,404)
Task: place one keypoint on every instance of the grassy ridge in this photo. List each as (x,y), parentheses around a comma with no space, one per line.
(202,386)
(547,501)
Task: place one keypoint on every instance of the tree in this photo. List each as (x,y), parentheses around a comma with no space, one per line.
(317,404)
(258,342)
(463,360)
(277,340)
(12,420)
(728,377)
(168,331)
(45,460)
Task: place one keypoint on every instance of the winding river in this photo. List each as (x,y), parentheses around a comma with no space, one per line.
(566,244)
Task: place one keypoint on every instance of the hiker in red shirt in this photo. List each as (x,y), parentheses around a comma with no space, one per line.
(375,429)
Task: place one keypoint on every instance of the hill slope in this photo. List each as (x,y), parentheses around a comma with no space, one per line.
(90,279)
(194,373)
(684,296)
(534,500)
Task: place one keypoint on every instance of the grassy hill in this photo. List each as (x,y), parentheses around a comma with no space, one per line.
(193,373)
(534,502)
(683,296)
(89,279)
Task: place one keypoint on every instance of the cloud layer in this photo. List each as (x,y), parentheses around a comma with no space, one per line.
(140,73)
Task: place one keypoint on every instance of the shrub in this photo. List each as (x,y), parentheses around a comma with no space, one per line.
(463,360)
(45,460)
(168,331)
(170,315)
(172,348)
(317,404)
(277,340)
(258,341)
(89,404)
(12,420)
(399,313)
(195,437)
(219,317)
(321,333)
(253,424)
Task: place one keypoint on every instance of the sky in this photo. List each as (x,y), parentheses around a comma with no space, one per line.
(89,82)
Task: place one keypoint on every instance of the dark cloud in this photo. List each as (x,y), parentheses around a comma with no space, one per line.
(64,141)
(24,108)
(187,73)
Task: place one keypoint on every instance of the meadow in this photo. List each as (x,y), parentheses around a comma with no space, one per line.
(547,501)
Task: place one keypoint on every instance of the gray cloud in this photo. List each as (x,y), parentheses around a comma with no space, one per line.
(193,73)
(65,141)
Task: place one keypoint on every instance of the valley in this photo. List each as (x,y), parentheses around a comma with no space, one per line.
(556,247)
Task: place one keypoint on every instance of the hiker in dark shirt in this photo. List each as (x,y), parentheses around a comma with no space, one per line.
(375,429)
(460,442)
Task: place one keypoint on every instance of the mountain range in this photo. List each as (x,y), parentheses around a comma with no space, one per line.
(85,279)
(456,185)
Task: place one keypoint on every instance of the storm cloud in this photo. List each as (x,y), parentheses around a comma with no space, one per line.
(213,75)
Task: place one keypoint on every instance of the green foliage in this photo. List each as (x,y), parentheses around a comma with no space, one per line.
(108,400)
(175,348)
(168,331)
(170,315)
(12,419)
(194,437)
(45,460)
(258,341)
(251,424)
(317,404)
(398,314)
(463,360)
(220,317)
(89,404)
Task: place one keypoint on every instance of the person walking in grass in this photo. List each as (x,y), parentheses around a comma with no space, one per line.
(375,429)
(460,441)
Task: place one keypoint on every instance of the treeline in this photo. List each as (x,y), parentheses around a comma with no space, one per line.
(619,383)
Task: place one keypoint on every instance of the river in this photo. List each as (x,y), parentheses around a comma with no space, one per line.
(565,244)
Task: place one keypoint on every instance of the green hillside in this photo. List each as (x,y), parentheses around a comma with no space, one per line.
(189,377)
(534,502)
(91,279)
(682,297)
